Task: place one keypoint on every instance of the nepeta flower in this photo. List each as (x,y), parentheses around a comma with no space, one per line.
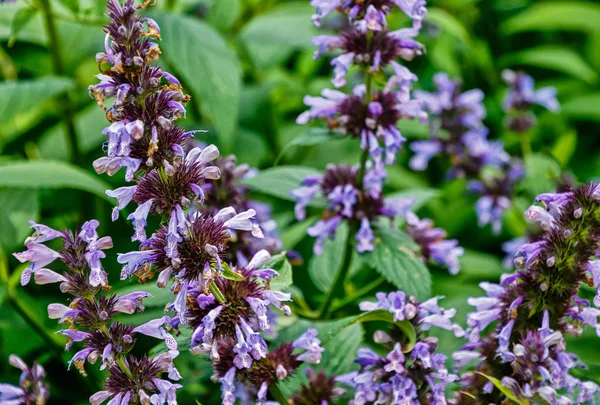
(375,122)
(411,375)
(521,98)
(167,191)
(31,388)
(244,304)
(348,202)
(277,365)
(533,308)
(320,389)
(434,245)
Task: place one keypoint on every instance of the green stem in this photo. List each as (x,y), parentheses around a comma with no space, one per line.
(278,395)
(359,293)
(525,143)
(119,360)
(216,292)
(64,101)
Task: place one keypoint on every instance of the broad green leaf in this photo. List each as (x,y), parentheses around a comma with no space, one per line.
(280,264)
(583,107)
(291,236)
(558,15)
(222,14)
(323,268)
(19,96)
(448,23)
(310,137)
(18,207)
(50,174)
(397,259)
(564,148)
(480,265)
(211,70)
(71,5)
(541,173)
(287,25)
(420,195)
(561,59)
(89,124)
(279,181)
(20,20)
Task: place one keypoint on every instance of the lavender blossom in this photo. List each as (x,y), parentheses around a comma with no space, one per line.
(279,364)
(31,388)
(88,318)
(527,315)
(412,374)
(521,97)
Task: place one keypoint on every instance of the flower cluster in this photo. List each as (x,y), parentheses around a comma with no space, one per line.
(89,316)
(521,98)
(369,114)
(533,308)
(31,389)
(410,372)
(319,389)
(364,205)
(459,134)
(277,365)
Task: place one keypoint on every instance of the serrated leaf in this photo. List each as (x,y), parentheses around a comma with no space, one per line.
(396,259)
(560,15)
(19,96)
(561,59)
(50,174)
(287,25)
(211,70)
(279,181)
(583,107)
(280,264)
(323,268)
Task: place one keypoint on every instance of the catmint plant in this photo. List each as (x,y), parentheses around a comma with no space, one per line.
(88,319)
(516,335)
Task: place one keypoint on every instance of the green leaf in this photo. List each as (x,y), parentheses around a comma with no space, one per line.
(296,232)
(310,137)
(230,274)
(212,71)
(498,384)
(385,316)
(397,259)
(89,124)
(559,15)
(480,265)
(18,207)
(287,25)
(50,174)
(564,148)
(541,173)
(21,18)
(583,107)
(420,195)
(322,269)
(561,59)
(280,264)
(71,5)
(448,23)
(279,181)
(19,96)
(223,13)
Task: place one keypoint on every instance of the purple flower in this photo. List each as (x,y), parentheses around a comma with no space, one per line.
(32,388)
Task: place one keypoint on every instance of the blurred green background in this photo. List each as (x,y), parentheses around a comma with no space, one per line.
(247,65)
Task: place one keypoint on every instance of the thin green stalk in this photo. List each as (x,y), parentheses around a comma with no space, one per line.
(216,292)
(278,395)
(525,143)
(64,101)
(359,293)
